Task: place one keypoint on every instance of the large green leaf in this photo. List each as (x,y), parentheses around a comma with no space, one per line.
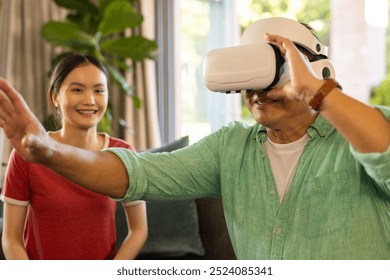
(86,22)
(122,65)
(102,4)
(117,16)
(66,34)
(135,47)
(82,6)
(120,81)
(105,123)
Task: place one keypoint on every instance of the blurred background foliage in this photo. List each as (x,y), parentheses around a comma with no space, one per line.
(105,29)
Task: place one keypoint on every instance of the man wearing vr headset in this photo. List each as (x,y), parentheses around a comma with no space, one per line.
(310,180)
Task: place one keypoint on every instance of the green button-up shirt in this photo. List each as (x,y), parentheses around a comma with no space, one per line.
(337,206)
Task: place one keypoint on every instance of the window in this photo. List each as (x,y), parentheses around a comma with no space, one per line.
(193,27)
(204,25)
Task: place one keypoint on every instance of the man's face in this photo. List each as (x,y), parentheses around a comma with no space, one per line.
(275,113)
(282,113)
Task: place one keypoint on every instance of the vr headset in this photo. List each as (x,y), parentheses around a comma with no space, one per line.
(257,65)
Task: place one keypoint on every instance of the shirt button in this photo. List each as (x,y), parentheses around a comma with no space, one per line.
(278,231)
(272,193)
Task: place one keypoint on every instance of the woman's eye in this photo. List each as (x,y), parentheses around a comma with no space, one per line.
(76,90)
(100,91)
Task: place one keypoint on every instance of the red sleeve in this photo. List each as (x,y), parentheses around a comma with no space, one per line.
(16,182)
(119,143)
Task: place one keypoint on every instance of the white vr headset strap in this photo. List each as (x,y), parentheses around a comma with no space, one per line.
(322,69)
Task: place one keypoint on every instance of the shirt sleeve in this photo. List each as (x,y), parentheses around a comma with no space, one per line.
(190,172)
(132,203)
(16,188)
(377,165)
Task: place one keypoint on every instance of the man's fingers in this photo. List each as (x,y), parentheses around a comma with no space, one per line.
(10,99)
(276,93)
(5,106)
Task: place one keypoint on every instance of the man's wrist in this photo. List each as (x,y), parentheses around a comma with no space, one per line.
(317,98)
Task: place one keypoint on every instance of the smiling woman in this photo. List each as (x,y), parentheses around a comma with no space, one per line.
(80,224)
(82,97)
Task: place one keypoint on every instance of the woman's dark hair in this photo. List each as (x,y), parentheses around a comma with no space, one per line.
(61,71)
(67,64)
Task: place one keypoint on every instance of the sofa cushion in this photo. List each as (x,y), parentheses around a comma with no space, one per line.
(173,229)
(173,225)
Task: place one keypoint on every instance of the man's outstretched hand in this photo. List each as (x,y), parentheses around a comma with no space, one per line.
(21,127)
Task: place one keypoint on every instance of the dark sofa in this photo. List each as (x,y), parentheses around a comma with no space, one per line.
(200,235)
(188,229)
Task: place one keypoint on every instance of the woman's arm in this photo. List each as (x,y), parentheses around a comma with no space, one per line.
(364,127)
(29,138)
(137,231)
(13,226)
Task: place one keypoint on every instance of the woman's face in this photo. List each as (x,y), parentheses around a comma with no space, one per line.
(83,97)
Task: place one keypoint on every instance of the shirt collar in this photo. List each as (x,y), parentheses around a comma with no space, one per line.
(320,127)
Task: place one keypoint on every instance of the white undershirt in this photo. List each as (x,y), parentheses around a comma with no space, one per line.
(284,160)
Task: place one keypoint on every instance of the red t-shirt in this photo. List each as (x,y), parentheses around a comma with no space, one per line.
(64,221)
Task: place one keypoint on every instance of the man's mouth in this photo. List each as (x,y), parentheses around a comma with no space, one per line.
(261,101)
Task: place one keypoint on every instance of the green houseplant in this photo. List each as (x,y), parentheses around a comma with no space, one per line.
(381,93)
(99,28)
